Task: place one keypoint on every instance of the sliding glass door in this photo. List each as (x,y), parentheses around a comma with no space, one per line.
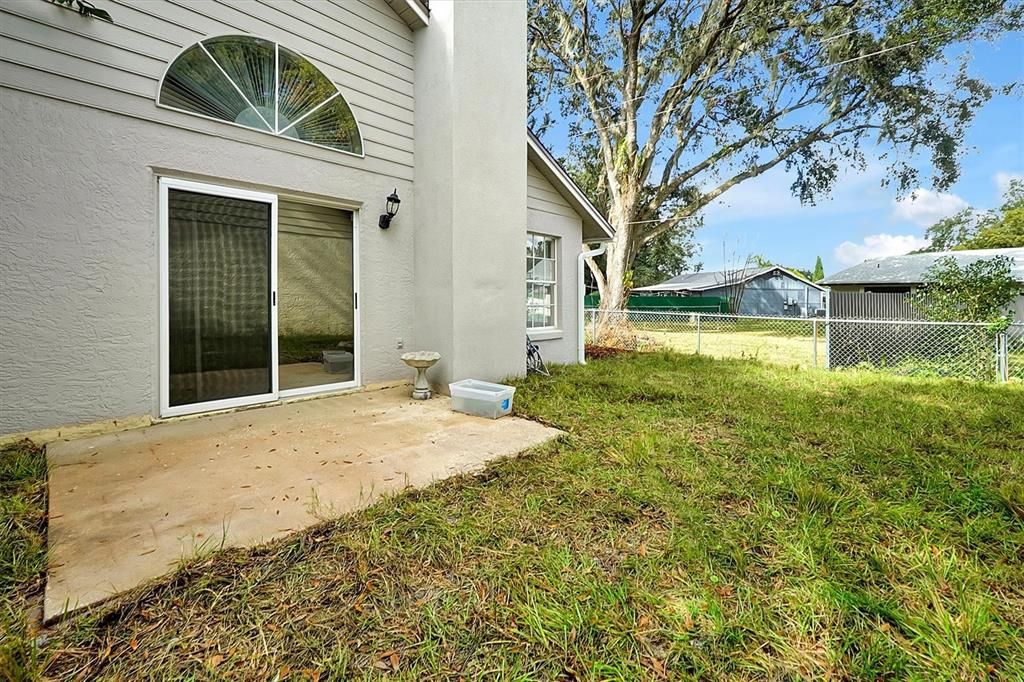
(218,251)
(237,267)
(316,297)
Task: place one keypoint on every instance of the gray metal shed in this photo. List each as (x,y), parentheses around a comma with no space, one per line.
(767,290)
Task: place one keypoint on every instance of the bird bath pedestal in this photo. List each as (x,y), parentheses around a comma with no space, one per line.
(421,361)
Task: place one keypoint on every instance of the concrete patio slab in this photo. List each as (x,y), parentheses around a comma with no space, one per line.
(126,507)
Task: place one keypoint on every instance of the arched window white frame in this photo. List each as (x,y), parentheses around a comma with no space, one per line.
(259,84)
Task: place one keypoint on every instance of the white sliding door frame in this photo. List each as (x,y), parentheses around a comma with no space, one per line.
(166,409)
(356,380)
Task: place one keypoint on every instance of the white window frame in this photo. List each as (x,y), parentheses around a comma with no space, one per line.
(166,409)
(357,367)
(276,394)
(555,246)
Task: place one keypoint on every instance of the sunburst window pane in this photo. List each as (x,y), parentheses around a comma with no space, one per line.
(332,125)
(194,83)
(259,84)
(249,63)
(302,87)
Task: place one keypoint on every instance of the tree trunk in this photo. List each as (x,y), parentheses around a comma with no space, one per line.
(620,253)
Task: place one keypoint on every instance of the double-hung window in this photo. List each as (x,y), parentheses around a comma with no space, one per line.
(541,281)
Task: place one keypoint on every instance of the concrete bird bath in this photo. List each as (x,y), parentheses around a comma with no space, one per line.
(421,361)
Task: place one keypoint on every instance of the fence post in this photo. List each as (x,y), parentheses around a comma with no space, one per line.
(698,333)
(1002,359)
(814,324)
(828,328)
(593,326)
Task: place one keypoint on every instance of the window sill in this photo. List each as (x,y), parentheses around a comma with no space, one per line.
(544,334)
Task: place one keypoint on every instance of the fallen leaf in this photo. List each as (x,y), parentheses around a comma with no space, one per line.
(394,661)
(134,644)
(214,661)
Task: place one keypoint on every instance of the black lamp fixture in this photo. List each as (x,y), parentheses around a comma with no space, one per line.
(392,210)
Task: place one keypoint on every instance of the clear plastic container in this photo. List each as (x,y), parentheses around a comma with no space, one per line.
(481,398)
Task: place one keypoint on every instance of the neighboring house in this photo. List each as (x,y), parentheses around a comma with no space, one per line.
(191,204)
(879,288)
(766,291)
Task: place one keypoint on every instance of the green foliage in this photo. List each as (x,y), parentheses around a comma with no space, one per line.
(819,271)
(979,291)
(999,228)
(22,555)
(664,257)
(85,8)
(665,254)
(676,103)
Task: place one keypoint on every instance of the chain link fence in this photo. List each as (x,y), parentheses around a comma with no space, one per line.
(1015,352)
(968,350)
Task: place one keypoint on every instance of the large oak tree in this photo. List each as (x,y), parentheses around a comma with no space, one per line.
(681,100)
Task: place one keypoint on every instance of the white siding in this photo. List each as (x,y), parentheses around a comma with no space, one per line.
(48,50)
(541,195)
(548,213)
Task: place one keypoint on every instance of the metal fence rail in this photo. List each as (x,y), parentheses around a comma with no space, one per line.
(969,350)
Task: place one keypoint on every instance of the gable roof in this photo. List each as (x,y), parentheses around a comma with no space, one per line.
(415,13)
(910,269)
(596,227)
(715,279)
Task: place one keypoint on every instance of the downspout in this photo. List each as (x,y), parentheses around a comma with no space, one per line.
(581,290)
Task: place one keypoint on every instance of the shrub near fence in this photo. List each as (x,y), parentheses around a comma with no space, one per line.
(968,350)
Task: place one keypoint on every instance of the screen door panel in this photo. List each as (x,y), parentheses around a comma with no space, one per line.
(219,298)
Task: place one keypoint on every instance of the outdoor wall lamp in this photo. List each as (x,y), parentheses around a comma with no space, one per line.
(392,210)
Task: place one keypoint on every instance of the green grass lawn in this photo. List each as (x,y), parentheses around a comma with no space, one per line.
(702,519)
(22,556)
(765,345)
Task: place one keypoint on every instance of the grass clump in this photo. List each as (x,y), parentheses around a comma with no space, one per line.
(22,556)
(703,519)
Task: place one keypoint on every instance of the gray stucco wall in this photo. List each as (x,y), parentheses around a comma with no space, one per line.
(548,213)
(78,215)
(83,148)
(471,185)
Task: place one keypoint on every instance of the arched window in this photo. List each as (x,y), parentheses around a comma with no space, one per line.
(259,84)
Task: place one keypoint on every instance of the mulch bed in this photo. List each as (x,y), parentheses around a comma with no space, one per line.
(599,352)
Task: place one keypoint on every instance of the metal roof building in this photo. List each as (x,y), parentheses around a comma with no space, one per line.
(766,290)
(910,269)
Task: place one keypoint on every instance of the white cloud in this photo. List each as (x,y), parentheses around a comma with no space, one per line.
(924,207)
(878,246)
(1003,179)
(770,196)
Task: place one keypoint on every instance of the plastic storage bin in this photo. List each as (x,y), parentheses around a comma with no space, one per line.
(481,398)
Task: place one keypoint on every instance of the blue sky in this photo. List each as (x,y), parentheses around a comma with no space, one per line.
(861,219)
